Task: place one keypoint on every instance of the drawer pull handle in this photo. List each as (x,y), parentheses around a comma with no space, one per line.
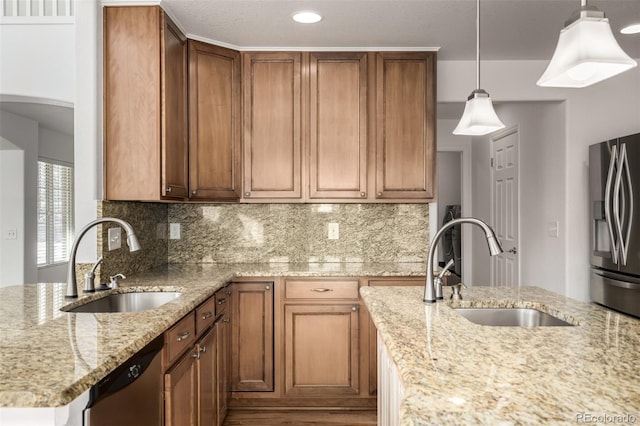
(227,320)
(184,336)
(322,290)
(195,355)
(222,301)
(203,349)
(207,315)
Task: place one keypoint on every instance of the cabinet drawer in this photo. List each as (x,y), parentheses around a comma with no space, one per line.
(321,289)
(180,337)
(222,300)
(205,315)
(397,282)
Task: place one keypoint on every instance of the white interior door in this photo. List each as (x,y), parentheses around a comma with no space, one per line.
(505,205)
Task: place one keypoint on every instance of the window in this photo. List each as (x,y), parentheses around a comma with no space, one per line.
(55,212)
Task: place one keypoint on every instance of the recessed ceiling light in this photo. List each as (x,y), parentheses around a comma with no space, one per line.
(307,17)
(631,29)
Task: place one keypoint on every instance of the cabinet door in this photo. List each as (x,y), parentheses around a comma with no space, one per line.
(206,350)
(132,103)
(223,368)
(180,387)
(174,110)
(272,125)
(338,125)
(252,337)
(405,128)
(321,349)
(214,122)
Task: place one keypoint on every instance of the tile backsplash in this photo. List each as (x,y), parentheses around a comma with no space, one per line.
(258,233)
(249,233)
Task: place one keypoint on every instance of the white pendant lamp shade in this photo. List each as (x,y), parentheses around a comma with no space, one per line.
(587,53)
(479,117)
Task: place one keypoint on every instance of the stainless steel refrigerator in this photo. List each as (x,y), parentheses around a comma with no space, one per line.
(614,169)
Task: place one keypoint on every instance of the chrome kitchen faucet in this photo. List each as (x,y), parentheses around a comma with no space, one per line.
(433,286)
(132,241)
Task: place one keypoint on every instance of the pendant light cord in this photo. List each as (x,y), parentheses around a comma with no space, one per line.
(478,44)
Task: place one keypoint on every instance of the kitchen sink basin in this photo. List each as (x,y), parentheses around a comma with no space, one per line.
(510,317)
(127,302)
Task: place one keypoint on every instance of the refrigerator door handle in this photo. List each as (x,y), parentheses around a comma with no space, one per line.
(620,205)
(624,167)
(608,201)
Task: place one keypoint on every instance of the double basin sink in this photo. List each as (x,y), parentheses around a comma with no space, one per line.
(135,301)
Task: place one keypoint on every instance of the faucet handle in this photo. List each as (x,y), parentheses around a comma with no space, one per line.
(113,280)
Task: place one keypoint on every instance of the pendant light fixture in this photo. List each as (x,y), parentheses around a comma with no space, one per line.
(479,117)
(587,52)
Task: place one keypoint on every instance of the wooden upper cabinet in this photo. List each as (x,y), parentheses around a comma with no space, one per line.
(214,122)
(405,125)
(338,125)
(145,105)
(272,125)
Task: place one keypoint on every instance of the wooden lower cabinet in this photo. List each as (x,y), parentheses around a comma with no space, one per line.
(321,349)
(196,385)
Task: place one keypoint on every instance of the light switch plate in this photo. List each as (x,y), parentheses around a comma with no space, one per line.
(174,231)
(334,231)
(115,238)
(552,229)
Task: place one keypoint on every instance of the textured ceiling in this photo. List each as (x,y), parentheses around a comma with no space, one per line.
(510,29)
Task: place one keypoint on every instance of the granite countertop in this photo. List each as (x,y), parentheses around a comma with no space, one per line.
(49,357)
(456,372)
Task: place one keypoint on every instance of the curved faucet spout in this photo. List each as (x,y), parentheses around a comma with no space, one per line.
(132,241)
(430,284)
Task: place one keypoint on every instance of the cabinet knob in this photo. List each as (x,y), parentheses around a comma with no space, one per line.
(247,194)
(267,287)
(194,192)
(222,301)
(363,194)
(379,194)
(354,308)
(227,320)
(168,189)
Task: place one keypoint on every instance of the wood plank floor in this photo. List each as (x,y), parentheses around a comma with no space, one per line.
(301,418)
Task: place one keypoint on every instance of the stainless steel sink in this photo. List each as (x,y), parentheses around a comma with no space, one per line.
(510,317)
(127,302)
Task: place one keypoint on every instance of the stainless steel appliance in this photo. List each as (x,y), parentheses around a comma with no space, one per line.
(614,168)
(132,394)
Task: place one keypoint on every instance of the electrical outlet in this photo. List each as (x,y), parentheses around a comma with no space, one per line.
(115,238)
(334,231)
(12,234)
(174,231)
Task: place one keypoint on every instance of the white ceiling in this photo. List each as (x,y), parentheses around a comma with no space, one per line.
(510,29)
(54,117)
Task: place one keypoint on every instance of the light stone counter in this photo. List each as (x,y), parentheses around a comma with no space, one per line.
(49,357)
(456,372)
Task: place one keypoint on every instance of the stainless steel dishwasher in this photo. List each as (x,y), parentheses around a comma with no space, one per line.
(132,394)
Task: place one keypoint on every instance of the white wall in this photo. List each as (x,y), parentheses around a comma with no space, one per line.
(603,111)
(37,61)
(23,134)
(88,121)
(11,217)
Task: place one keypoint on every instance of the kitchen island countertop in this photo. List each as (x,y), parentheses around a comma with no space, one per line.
(456,372)
(49,357)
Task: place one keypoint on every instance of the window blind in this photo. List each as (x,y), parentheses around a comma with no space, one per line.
(55,212)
